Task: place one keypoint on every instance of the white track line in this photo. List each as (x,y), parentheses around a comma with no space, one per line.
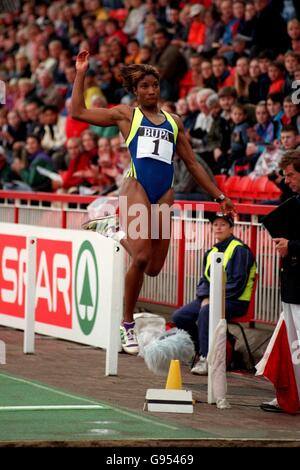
(51,407)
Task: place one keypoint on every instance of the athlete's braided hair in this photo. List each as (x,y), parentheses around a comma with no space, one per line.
(132,74)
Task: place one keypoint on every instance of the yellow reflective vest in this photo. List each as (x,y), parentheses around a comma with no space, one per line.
(228,253)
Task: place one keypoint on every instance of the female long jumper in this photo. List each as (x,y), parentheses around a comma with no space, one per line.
(152,136)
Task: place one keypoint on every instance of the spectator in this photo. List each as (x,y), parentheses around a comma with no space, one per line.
(54,135)
(219,136)
(261,135)
(6,172)
(231,25)
(274,106)
(26,92)
(185,187)
(78,166)
(289,252)
(248,26)
(268,162)
(22,66)
(33,123)
(196,33)
(47,92)
(28,169)
(236,160)
(221,72)
(170,63)
(73,127)
(208,79)
(240,269)
(256,91)
(242,79)
(46,63)
(214,30)
(16,129)
(193,77)
(112,30)
(124,165)
(147,29)
(175,28)
(109,131)
(135,17)
(133,52)
(291,62)
(289,141)
(270,20)
(89,143)
(276,75)
(202,124)
(145,53)
(291,113)
(293,29)
(193,109)
(91,88)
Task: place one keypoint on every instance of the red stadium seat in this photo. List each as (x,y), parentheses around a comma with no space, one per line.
(248,193)
(242,188)
(230,186)
(259,188)
(220,180)
(272,191)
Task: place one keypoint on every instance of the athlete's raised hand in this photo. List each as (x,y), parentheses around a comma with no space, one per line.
(82,61)
(227,207)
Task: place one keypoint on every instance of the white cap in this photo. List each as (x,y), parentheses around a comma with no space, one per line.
(196,10)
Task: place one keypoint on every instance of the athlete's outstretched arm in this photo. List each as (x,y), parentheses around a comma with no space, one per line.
(98,117)
(185,152)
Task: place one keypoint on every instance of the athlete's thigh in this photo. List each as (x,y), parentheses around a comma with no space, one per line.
(135,217)
(161,231)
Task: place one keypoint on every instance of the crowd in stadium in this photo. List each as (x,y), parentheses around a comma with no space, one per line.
(229,69)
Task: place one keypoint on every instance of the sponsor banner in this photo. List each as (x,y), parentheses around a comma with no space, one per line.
(75,289)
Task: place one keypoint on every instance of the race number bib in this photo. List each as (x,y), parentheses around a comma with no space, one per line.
(155,143)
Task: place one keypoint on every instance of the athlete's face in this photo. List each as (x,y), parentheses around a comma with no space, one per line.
(147,90)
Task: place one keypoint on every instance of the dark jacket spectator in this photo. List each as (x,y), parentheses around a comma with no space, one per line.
(171,64)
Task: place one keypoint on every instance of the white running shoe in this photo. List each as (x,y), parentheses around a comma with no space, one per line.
(201,367)
(129,339)
(107,226)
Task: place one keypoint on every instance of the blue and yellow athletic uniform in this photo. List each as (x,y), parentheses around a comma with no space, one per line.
(152,148)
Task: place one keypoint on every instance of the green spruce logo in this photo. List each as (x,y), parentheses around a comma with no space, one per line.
(86,287)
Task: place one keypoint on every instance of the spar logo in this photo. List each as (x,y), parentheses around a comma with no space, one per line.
(53,279)
(86,287)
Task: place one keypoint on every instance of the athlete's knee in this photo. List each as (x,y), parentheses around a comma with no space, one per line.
(141,260)
(153,271)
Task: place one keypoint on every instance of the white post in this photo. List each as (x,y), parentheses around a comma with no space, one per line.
(116,313)
(215,309)
(2,352)
(30,296)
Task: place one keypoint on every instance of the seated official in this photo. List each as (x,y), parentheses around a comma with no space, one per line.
(240,269)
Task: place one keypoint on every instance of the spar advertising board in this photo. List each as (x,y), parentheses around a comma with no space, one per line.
(78,282)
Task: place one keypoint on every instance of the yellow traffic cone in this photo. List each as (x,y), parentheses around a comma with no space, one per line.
(174,380)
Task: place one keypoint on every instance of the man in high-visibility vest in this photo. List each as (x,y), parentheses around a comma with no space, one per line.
(240,269)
